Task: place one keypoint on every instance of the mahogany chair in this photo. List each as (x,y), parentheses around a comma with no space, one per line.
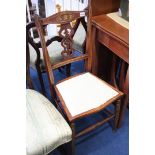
(83,94)
(54,47)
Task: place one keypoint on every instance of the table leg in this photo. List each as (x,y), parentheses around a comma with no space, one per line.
(125,99)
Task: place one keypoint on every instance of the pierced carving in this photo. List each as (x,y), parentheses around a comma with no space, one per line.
(66,31)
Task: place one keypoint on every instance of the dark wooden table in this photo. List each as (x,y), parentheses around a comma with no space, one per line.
(115,37)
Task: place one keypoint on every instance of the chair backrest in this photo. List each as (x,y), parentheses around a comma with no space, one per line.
(28,78)
(36,45)
(66,32)
(30,40)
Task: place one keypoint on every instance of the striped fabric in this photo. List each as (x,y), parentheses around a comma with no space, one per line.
(46,129)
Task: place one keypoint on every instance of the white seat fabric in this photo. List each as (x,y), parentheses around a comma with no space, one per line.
(115,16)
(84,92)
(46,128)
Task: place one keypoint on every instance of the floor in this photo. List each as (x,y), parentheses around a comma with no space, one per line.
(102,141)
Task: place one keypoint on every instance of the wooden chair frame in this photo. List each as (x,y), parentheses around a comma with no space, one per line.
(37,45)
(64,18)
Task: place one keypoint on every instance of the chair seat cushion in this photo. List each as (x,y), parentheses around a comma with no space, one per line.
(84,92)
(46,128)
(115,16)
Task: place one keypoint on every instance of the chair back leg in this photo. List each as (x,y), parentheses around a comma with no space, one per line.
(41,80)
(117,113)
(68,70)
(71,148)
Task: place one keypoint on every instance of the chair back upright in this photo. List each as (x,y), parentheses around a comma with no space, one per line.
(66,32)
(30,41)
(28,78)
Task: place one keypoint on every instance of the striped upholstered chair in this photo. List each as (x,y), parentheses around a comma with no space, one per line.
(46,128)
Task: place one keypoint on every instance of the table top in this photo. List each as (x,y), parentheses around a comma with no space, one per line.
(106,24)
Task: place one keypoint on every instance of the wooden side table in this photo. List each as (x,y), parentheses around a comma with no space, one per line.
(116,38)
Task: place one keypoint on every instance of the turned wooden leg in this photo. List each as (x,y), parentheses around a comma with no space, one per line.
(122,110)
(68,70)
(117,113)
(71,150)
(28,80)
(125,98)
(41,79)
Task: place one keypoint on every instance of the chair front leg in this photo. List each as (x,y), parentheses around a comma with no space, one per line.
(125,102)
(40,79)
(71,149)
(117,113)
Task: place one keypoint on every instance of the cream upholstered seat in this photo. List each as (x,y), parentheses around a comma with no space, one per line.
(85,92)
(115,16)
(46,128)
(55,48)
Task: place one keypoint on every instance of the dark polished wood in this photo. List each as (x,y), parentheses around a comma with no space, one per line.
(112,35)
(104,31)
(126,97)
(99,7)
(95,8)
(28,77)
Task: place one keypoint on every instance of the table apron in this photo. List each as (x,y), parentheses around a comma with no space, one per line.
(114,45)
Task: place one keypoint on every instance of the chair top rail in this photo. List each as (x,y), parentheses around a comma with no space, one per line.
(63,17)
